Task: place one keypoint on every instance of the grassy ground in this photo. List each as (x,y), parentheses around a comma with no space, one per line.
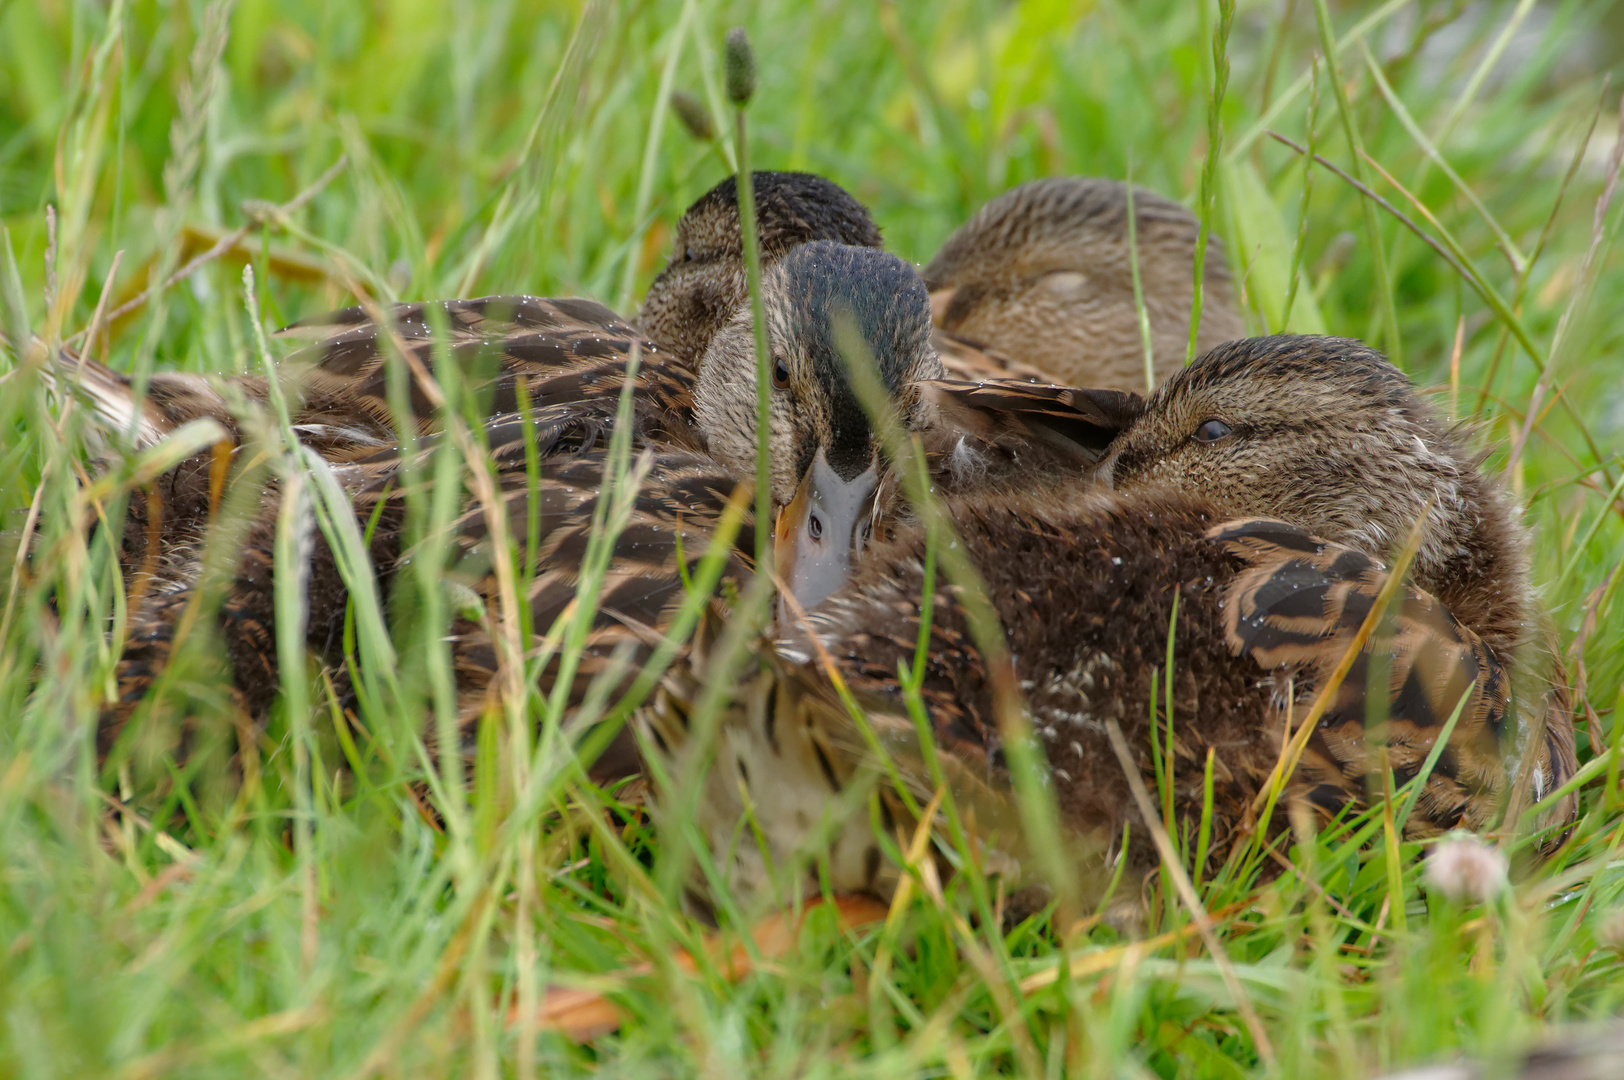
(310,924)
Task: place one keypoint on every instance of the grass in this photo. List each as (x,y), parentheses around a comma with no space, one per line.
(309,924)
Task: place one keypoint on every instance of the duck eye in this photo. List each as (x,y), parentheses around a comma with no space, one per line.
(1211,431)
(781,376)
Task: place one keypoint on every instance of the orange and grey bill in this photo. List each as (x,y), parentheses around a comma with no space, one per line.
(822,527)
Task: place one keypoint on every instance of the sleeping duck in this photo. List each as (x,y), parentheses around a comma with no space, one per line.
(1259,491)
(1039,285)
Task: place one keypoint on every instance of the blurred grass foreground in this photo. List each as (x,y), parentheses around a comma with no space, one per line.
(314,921)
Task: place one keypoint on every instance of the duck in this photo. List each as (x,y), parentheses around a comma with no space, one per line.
(1258,492)
(1038,285)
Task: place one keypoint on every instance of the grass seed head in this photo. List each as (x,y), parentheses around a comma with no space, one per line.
(693,114)
(740,64)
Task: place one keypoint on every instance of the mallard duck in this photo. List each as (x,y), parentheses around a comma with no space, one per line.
(1038,284)
(570,354)
(1258,490)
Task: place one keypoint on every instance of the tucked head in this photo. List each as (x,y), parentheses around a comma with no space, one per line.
(825,453)
(704,283)
(1325,433)
(1042,273)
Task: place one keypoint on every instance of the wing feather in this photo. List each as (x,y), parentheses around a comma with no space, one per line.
(1296,606)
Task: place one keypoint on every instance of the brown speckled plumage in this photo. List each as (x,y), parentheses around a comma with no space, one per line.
(1084,582)
(668,530)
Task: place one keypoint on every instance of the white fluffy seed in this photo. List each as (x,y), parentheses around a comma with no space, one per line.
(1465,869)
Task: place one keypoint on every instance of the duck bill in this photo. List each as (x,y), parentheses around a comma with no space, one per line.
(820,529)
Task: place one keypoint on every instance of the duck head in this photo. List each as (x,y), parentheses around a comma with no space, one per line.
(824,452)
(1328,435)
(1042,274)
(703,285)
